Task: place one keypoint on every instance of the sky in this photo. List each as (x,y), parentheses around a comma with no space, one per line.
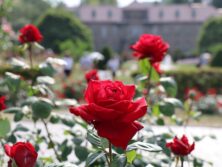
(121,2)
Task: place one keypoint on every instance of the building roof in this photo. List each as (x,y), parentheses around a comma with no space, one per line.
(156,13)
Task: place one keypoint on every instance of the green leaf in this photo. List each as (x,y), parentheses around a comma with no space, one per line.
(144,146)
(93,139)
(18,116)
(175,102)
(13,110)
(145,67)
(63,164)
(41,109)
(65,152)
(104,142)
(169,85)
(5,127)
(81,153)
(119,161)
(21,128)
(131,155)
(166,109)
(54,118)
(45,80)
(93,157)
(68,121)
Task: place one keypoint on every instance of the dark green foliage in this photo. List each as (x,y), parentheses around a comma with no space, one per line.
(175,1)
(203,79)
(217,3)
(59,26)
(26,12)
(211,34)
(107,53)
(217,55)
(99,2)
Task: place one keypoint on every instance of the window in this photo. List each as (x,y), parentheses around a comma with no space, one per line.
(161,14)
(109,14)
(93,13)
(194,13)
(177,13)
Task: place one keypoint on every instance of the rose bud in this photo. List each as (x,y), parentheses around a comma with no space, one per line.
(180,147)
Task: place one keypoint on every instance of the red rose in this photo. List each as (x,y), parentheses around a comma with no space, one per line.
(29,33)
(2,103)
(180,147)
(193,93)
(112,111)
(150,46)
(91,75)
(156,66)
(23,154)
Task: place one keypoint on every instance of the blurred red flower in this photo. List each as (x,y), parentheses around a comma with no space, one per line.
(180,147)
(193,93)
(23,154)
(2,103)
(156,66)
(150,46)
(91,75)
(112,111)
(29,33)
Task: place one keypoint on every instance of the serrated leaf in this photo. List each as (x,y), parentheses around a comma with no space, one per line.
(144,146)
(93,157)
(81,153)
(13,110)
(93,139)
(41,109)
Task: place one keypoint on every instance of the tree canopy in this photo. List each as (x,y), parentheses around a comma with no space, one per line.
(26,11)
(99,2)
(62,31)
(211,34)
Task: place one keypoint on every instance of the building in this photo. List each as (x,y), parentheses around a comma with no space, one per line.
(120,27)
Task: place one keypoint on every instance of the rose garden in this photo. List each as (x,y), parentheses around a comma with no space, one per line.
(125,118)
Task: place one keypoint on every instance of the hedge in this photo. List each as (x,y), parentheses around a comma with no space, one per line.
(202,79)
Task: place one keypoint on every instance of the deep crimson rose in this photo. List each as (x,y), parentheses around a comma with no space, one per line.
(91,75)
(180,147)
(29,33)
(112,111)
(150,46)
(2,103)
(23,154)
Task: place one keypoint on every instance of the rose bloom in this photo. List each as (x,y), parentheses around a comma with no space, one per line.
(112,111)
(193,93)
(29,33)
(180,147)
(23,154)
(150,46)
(91,75)
(2,103)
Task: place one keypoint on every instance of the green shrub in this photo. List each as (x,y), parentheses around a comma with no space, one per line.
(63,31)
(217,55)
(210,34)
(203,79)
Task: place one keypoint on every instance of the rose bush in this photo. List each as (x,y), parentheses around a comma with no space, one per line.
(112,111)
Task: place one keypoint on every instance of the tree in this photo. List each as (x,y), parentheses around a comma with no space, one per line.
(217,55)
(26,11)
(99,2)
(63,31)
(210,34)
(217,3)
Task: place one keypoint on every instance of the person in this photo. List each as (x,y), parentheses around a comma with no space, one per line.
(113,64)
(68,65)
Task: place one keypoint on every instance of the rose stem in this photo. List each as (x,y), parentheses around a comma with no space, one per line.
(30,55)
(110,153)
(177,160)
(149,79)
(182,160)
(50,139)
